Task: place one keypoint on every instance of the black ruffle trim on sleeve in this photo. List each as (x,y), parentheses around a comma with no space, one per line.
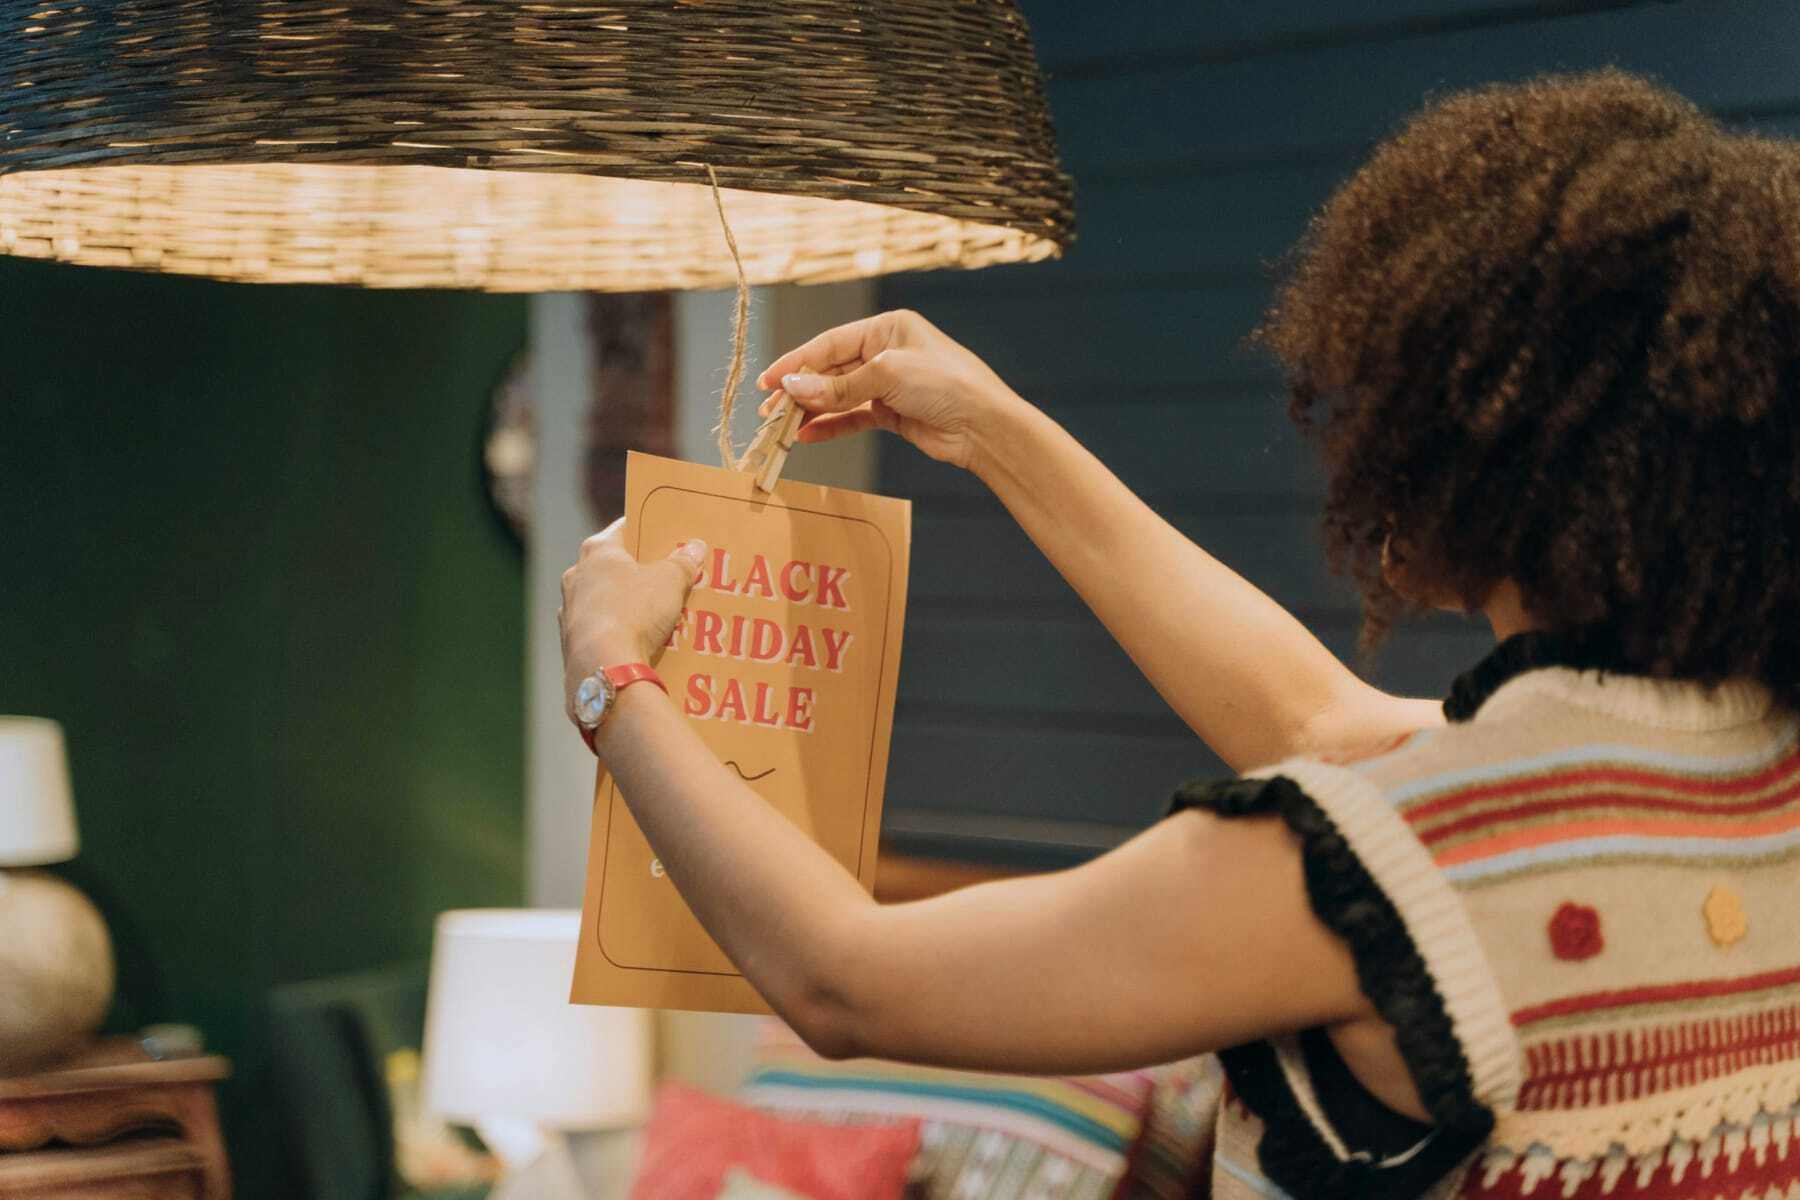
(1347,899)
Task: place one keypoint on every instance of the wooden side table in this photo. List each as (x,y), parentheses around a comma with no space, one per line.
(114,1123)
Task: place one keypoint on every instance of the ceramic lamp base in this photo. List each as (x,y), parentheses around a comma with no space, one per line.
(56,970)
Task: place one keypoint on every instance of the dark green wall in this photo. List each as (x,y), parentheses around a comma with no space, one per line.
(245,559)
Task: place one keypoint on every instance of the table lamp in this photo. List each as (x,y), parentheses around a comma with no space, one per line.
(56,965)
(507,1053)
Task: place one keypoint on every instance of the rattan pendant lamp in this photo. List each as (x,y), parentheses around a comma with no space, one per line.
(508,145)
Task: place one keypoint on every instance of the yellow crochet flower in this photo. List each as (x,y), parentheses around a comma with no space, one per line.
(1725,919)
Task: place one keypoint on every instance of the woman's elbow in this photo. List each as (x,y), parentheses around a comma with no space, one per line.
(827,1027)
(831,1003)
(828,1035)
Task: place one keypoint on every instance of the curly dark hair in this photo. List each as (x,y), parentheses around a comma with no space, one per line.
(1550,333)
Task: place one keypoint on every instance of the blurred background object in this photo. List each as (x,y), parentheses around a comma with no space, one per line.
(506,1053)
(56,963)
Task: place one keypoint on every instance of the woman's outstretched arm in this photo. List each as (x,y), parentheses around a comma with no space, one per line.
(1193,936)
(1239,669)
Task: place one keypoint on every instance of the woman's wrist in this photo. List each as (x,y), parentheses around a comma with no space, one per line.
(998,439)
(628,709)
(611,649)
(996,421)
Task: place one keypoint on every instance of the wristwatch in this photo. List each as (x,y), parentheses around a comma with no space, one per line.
(595,695)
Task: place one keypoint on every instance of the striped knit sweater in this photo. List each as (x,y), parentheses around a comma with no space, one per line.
(1577,905)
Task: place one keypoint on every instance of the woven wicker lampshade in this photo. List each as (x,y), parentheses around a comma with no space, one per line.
(525,146)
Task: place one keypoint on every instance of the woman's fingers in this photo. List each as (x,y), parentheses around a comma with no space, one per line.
(613,533)
(774,397)
(876,379)
(836,425)
(842,346)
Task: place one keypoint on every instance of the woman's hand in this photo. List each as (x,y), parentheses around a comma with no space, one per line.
(898,372)
(615,610)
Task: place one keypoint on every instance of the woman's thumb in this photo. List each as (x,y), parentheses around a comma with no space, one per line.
(690,556)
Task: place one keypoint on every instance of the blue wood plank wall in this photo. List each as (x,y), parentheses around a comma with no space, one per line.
(1201,136)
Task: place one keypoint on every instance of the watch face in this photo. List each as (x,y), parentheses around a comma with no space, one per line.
(590,700)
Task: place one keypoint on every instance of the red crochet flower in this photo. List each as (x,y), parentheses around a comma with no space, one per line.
(1575,932)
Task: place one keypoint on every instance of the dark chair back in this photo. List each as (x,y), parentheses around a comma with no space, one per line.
(330,1042)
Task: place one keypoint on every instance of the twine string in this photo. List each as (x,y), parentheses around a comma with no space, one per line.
(740,322)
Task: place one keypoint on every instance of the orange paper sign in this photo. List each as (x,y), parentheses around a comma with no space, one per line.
(785,662)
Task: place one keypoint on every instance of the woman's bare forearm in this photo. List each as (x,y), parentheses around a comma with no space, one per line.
(1085,970)
(1244,674)
(774,901)
(1014,975)
(1239,669)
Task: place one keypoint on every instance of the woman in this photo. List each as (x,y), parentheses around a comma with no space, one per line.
(1549,340)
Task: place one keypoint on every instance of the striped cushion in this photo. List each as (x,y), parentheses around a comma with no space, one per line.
(990,1136)
(1174,1153)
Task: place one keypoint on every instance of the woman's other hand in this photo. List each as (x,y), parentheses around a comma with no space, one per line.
(895,371)
(616,610)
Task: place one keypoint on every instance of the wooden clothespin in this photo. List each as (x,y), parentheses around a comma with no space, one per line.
(768,450)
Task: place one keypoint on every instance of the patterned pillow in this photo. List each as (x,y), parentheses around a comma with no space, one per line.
(1174,1153)
(693,1141)
(993,1137)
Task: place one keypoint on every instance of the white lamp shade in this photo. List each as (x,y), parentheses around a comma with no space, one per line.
(502,1039)
(37,809)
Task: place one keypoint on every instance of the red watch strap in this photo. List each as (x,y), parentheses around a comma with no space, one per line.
(636,672)
(621,677)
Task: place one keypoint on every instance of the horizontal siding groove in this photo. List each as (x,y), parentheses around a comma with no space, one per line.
(980,299)
(1048,610)
(1064,608)
(1026,282)
(1197,504)
(927,716)
(1151,60)
(1092,282)
(1056,615)
(1752,115)
(1221,163)
(1098,835)
(1024,855)
(1066,392)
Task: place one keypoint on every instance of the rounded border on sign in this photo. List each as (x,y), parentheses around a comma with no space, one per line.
(635,528)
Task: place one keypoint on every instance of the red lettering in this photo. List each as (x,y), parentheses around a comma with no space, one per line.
(765,641)
(795,592)
(706,632)
(737,637)
(721,571)
(834,647)
(799,709)
(699,696)
(831,581)
(765,714)
(731,704)
(758,579)
(800,650)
